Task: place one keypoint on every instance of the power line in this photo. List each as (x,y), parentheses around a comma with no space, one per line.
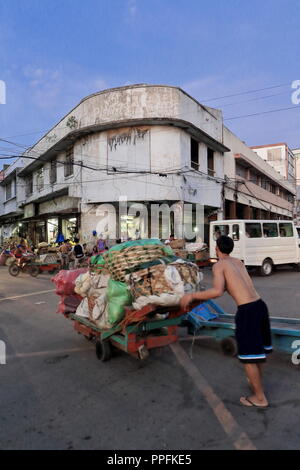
(245,92)
(263,112)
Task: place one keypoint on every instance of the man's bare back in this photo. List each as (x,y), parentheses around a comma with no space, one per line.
(237,280)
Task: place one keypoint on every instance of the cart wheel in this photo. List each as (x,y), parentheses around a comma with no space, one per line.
(34,271)
(103,350)
(229,346)
(14,270)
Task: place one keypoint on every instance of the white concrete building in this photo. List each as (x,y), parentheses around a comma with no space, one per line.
(147,143)
(280,157)
(296,153)
(253,188)
(150,144)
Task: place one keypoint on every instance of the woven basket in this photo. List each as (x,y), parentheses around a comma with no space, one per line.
(120,262)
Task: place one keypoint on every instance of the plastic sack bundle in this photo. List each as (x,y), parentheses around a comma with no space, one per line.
(65,281)
(68,303)
(97,263)
(164,284)
(118,296)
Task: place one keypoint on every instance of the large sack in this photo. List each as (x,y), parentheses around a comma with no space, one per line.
(164,284)
(118,296)
(65,280)
(68,303)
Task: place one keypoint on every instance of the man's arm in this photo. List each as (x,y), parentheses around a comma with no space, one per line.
(216,291)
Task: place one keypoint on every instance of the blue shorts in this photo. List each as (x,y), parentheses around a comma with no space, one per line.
(253,332)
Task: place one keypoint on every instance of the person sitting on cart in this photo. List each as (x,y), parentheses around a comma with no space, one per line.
(253,332)
(78,252)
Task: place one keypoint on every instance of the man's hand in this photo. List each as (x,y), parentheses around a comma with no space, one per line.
(186,301)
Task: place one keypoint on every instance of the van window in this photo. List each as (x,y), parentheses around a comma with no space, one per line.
(298,231)
(236,232)
(220,230)
(270,230)
(253,230)
(286,230)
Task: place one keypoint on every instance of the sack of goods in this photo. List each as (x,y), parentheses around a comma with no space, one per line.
(104,299)
(132,274)
(65,288)
(120,259)
(163,282)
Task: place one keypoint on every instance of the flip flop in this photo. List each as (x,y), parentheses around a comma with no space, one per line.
(253,405)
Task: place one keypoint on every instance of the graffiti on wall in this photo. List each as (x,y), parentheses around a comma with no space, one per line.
(131,137)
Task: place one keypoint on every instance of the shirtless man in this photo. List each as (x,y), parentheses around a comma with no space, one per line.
(253,333)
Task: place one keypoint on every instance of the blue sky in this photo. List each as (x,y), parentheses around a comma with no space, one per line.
(55,52)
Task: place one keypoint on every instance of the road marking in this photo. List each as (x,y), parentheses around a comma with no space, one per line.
(240,439)
(47,353)
(27,295)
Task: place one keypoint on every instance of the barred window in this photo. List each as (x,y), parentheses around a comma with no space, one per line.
(40,179)
(29,185)
(69,162)
(53,172)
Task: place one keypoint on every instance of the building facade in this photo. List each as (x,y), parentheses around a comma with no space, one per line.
(296,153)
(253,188)
(148,145)
(280,157)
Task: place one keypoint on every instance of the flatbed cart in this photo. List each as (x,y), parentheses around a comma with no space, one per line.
(284,330)
(134,339)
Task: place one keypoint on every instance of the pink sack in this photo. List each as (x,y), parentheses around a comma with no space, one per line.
(65,280)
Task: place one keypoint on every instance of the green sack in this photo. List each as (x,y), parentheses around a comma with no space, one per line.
(118,297)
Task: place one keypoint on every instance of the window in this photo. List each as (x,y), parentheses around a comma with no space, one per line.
(210,162)
(194,154)
(220,230)
(273,188)
(29,185)
(298,231)
(270,230)
(286,230)
(53,172)
(8,191)
(241,171)
(69,162)
(274,155)
(253,230)
(265,184)
(254,178)
(40,179)
(235,232)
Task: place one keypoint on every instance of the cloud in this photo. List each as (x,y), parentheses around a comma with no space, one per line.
(132,8)
(51,89)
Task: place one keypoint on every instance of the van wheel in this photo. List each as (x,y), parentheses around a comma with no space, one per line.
(297,267)
(266,268)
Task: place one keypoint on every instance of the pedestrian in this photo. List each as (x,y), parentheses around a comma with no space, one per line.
(64,251)
(78,252)
(253,333)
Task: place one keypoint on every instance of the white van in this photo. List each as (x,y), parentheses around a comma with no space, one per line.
(260,243)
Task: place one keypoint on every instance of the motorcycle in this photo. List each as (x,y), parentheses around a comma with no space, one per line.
(25,265)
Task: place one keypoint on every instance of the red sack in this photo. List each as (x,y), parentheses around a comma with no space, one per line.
(65,281)
(69,303)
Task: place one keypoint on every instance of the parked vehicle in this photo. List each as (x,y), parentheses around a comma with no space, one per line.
(264,244)
(24,265)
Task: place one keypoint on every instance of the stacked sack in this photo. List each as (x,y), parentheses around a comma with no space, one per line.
(65,288)
(134,273)
(163,282)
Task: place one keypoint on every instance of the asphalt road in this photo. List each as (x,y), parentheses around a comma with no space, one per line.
(55,394)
